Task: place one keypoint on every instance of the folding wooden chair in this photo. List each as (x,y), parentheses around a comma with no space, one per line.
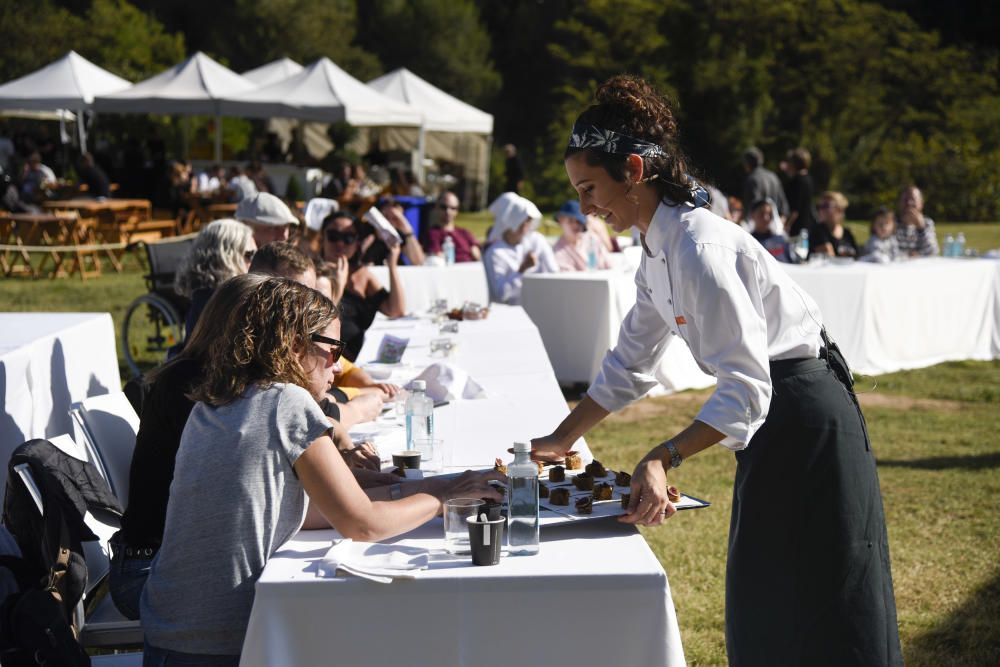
(19,232)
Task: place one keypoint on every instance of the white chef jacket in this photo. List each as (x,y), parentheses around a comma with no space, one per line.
(706,280)
(502,261)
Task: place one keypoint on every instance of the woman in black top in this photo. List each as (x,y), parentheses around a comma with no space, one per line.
(357,291)
(831,237)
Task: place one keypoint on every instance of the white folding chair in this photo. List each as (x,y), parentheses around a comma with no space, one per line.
(108,425)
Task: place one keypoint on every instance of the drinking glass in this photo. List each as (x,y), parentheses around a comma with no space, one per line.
(431,454)
(456,529)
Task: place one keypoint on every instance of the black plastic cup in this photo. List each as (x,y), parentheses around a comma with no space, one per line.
(407,459)
(492,508)
(485,539)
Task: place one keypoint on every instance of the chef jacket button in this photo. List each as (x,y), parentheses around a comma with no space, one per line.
(670,301)
(663,259)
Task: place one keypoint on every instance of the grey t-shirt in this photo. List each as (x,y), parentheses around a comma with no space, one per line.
(234,500)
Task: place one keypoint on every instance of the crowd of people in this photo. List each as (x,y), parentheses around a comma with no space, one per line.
(782,213)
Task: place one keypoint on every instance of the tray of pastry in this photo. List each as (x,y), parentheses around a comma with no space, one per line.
(575,492)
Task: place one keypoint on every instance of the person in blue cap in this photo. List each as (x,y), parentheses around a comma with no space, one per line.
(578,249)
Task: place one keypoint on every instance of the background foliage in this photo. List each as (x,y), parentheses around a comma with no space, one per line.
(882,93)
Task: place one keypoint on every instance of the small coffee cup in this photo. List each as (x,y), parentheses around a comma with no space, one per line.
(485,538)
(409,458)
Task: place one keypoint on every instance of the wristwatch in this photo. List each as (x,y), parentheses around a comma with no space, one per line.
(675,456)
(395,491)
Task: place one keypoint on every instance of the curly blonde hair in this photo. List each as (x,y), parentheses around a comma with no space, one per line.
(261,341)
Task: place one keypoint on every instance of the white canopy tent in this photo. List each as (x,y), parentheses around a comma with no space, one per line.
(322,92)
(272,72)
(72,82)
(443,114)
(195,86)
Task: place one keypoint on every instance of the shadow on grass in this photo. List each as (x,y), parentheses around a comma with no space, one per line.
(970,636)
(978,462)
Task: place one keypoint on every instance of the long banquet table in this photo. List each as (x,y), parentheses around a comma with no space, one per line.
(425,284)
(48,361)
(885,318)
(455,613)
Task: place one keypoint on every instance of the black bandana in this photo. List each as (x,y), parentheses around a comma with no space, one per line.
(608,141)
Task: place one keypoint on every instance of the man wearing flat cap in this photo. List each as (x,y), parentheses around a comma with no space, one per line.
(269,218)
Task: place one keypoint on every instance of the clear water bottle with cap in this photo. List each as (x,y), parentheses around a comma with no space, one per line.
(960,245)
(522,515)
(419,415)
(591,253)
(448,247)
(949,246)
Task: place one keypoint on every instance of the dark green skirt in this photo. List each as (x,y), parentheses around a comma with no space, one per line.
(808,580)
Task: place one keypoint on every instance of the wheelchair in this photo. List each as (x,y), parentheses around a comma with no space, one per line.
(154,322)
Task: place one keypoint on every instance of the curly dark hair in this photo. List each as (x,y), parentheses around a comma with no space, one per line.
(628,105)
(258,344)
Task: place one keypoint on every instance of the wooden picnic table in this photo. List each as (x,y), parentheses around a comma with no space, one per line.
(63,235)
(105,210)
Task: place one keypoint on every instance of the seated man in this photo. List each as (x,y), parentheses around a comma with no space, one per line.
(466,247)
(36,178)
(93,177)
(269,218)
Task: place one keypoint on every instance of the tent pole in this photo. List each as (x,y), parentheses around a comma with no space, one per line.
(218,137)
(421,148)
(81,130)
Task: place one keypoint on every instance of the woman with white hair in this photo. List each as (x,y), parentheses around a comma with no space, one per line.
(515,248)
(223,249)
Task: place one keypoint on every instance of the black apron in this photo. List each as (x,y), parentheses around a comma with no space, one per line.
(808,580)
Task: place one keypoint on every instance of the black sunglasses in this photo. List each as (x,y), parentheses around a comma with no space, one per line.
(347,238)
(248,255)
(445,207)
(336,346)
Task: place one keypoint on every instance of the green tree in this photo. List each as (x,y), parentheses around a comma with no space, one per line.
(443,41)
(124,40)
(303,30)
(34,34)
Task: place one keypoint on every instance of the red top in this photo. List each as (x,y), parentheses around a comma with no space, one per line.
(462,238)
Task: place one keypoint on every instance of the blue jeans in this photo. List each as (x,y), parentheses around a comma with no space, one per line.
(126,580)
(161,657)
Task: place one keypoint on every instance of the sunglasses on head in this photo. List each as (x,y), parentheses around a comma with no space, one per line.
(336,346)
(347,238)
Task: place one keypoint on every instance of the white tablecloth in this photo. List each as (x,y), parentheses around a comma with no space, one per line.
(595,593)
(424,284)
(884,317)
(578,316)
(889,317)
(49,361)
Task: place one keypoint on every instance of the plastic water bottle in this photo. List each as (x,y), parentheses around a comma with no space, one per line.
(522,516)
(960,245)
(448,247)
(419,415)
(949,246)
(802,247)
(591,254)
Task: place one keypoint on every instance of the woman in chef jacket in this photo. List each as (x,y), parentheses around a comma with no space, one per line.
(808,579)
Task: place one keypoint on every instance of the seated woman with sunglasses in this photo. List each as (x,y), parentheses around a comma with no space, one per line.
(356,290)
(255,446)
(222,249)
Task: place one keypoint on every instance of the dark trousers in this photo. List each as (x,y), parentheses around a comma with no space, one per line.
(808,580)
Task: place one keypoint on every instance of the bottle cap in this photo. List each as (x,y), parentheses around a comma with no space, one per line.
(522,447)
(419,385)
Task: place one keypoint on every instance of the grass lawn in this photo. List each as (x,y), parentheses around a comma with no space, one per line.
(935,435)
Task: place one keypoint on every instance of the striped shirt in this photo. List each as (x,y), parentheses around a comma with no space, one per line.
(915,241)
